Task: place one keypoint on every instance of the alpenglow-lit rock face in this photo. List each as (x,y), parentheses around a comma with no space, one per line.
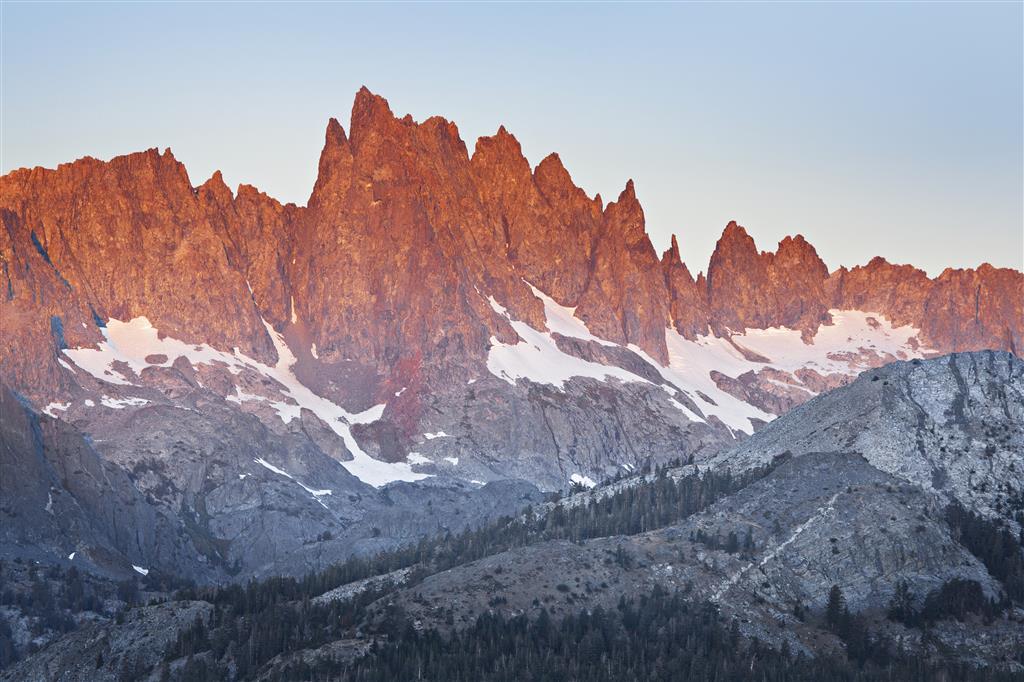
(202,341)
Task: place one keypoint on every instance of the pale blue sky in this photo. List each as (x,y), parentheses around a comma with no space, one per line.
(873,129)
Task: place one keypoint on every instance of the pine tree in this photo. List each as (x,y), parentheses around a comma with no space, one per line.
(901,606)
(835,609)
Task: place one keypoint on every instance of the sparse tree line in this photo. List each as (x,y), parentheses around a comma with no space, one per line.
(658,636)
(640,640)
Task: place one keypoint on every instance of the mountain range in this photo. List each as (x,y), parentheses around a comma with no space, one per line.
(430,317)
(203,386)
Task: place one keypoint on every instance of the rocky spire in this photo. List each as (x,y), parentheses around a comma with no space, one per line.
(686,299)
(626,299)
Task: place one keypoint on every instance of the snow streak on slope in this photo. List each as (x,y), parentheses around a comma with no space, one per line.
(562,320)
(536,357)
(317,494)
(134,341)
(121,403)
(48,410)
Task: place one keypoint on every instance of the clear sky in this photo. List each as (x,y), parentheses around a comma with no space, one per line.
(873,129)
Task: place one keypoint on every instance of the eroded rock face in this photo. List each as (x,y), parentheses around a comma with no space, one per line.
(976,309)
(549,224)
(131,238)
(626,300)
(960,310)
(390,265)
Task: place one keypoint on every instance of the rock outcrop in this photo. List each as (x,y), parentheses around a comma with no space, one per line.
(747,289)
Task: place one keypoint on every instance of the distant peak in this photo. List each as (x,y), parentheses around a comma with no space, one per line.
(734,231)
(796,244)
(671,255)
(501,148)
(550,173)
(627,198)
(368,100)
(335,133)
(504,139)
(735,235)
(627,214)
(552,162)
(369,111)
(364,91)
(629,192)
(216,187)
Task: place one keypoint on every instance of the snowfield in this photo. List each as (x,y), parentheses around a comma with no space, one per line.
(133,341)
(855,341)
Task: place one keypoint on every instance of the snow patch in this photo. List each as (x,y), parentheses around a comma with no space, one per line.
(454,461)
(140,570)
(121,403)
(585,481)
(856,341)
(48,410)
(843,347)
(432,436)
(368,416)
(537,358)
(286,411)
(132,342)
(71,557)
(417,458)
(690,364)
(685,410)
